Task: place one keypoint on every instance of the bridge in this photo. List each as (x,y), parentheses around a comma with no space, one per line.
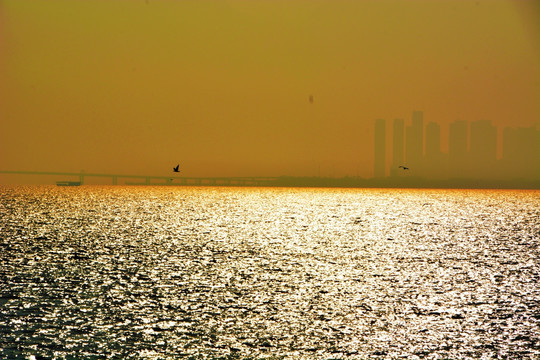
(157,180)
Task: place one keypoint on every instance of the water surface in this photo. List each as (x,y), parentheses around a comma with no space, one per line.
(201,273)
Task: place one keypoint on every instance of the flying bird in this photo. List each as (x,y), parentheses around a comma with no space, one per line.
(403,167)
(176,168)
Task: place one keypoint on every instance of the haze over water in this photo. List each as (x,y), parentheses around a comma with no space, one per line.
(187,272)
(254,88)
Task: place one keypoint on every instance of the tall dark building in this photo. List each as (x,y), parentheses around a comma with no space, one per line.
(398,146)
(414,142)
(380,148)
(433,159)
(433,140)
(521,153)
(458,138)
(482,148)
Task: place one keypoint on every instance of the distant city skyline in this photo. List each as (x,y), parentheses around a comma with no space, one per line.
(472,150)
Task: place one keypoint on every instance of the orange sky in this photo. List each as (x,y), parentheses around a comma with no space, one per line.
(222,87)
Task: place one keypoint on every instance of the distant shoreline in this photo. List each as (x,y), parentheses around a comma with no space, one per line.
(354,183)
(404,182)
(410,182)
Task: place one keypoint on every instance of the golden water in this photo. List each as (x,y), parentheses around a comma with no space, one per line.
(179,272)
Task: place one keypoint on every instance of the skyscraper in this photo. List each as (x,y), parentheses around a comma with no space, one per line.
(380,148)
(414,145)
(458,138)
(398,146)
(433,160)
(433,140)
(483,148)
(521,153)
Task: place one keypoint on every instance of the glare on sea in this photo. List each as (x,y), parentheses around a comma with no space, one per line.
(180,272)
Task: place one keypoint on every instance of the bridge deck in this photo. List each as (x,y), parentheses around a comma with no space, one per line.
(165,180)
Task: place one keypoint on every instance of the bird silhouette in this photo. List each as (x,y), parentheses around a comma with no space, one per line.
(403,167)
(176,168)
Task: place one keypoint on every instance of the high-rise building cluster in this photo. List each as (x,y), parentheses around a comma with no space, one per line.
(474,150)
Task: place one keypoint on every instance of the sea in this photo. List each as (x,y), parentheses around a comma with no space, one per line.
(171,272)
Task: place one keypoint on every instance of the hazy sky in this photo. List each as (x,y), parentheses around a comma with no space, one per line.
(223,87)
